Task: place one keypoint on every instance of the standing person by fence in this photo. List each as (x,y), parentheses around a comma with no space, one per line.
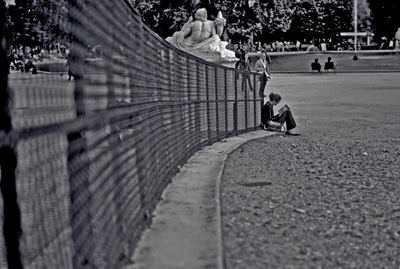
(243,64)
(262,67)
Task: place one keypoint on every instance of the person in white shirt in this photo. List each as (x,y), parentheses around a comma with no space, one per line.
(261,66)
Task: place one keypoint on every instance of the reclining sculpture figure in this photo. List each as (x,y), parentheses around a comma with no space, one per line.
(202,34)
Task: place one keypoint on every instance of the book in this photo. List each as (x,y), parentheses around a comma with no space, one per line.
(283,109)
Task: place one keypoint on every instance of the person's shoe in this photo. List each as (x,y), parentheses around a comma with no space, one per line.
(291,133)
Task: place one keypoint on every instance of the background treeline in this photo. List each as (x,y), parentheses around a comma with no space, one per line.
(270,20)
(36,22)
(44,22)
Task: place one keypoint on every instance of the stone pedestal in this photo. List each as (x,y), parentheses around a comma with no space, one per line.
(215,57)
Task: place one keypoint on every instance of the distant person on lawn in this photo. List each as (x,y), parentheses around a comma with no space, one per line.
(267,115)
(316,65)
(329,64)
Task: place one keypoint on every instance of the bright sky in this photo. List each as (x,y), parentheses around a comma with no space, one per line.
(10,2)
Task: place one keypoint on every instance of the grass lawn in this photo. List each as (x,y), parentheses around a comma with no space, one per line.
(54,66)
(368,61)
(300,61)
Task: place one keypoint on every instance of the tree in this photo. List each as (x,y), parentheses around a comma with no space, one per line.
(263,19)
(51,20)
(242,21)
(37,22)
(166,17)
(21,16)
(363,15)
(384,17)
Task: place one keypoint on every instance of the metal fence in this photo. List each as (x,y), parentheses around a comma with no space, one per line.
(84,161)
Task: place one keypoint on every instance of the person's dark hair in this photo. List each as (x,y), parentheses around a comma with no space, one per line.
(329,59)
(274,97)
(264,52)
(316,60)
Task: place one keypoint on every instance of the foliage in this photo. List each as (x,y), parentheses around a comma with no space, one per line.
(261,19)
(265,19)
(166,17)
(37,22)
(385,17)
(51,19)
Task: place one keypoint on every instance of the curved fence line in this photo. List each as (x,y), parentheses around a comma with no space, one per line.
(84,161)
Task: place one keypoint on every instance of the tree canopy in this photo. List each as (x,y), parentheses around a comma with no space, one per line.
(39,22)
(385,19)
(265,19)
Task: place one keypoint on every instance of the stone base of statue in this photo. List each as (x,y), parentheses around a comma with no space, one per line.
(215,57)
(211,50)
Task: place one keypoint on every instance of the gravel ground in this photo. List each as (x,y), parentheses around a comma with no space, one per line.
(326,199)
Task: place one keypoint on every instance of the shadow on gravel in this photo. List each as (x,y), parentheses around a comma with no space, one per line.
(257,184)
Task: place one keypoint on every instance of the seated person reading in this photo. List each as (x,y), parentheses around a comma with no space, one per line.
(268,118)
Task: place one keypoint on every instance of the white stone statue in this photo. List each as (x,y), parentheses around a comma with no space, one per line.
(202,34)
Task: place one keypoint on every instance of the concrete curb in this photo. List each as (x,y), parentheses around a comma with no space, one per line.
(186,227)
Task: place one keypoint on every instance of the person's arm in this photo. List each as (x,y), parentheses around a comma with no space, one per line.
(237,64)
(187,24)
(269,60)
(276,117)
(213,30)
(187,30)
(267,114)
(248,67)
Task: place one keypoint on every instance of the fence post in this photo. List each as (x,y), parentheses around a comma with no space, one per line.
(255,102)
(226,101)
(78,159)
(208,108)
(216,100)
(114,143)
(235,108)
(8,162)
(198,105)
(192,100)
(246,106)
(81,219)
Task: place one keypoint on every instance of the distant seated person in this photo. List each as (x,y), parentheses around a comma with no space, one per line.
(329,64)
(29,65)
(316,65)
